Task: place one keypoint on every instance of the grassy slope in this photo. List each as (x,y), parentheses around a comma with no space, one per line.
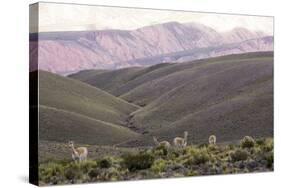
(119,81)
(250,113)
(199,92)
(75,96)
(185,73)
(230,101)
(59,125)
(108,80)
(73,110)
(86,74)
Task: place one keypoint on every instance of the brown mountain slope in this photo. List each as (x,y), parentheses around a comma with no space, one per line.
(71,51)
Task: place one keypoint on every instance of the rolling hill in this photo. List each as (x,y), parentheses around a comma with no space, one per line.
(230,96)
(71,95)
(72,110)
(118,81)
(62,126)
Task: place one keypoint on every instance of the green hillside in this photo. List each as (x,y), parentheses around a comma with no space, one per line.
(230,96)
(75,96)
(250,113)
(72,110)
(188,92)
(86,74)
(119,81)
(61,126)
(187,74)
(107,80)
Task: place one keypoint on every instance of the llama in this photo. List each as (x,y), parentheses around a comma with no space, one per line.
(162,143)
(79,153)
(181,142)
(212,140)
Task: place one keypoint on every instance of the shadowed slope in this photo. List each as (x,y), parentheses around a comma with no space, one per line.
(62,126)
(118,81)
(71,95)
(72,110)
(230,96)
(198,93)
(187,73)
(249,113)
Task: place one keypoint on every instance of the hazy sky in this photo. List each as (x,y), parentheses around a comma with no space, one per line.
(68,17)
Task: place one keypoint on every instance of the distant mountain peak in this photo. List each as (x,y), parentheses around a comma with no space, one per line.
(63,52)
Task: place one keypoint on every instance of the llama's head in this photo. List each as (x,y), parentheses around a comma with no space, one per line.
(185,133)
(70,143)
(212,139)
(154,139)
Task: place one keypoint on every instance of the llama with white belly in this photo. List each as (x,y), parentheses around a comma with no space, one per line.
(181,142)
(162,143)
(80,153)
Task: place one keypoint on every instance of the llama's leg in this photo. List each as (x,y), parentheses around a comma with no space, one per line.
(73,158)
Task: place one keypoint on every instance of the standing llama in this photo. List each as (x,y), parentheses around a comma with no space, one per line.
(79,153)
(212,140)
(164,143)
(181,142)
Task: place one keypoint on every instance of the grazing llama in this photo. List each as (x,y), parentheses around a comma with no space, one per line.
(79,153)
(181,142)
(164,143)
(212,139)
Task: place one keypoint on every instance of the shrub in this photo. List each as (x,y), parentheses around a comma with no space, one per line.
(51,172)
(239,155)
(247,142)
(198,156)
(268,146)
(72,171)
(255,151)
(160,151)
(104,163)
(112,174)
(192,173)
(213,147)
(70,174)
(86,166)
(203,145)
(158,166)
(260,141)
(231,146)
(138,161)
(173,155)
(93,173)
(269,160)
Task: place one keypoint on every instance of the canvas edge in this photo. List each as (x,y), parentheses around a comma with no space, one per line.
(33,103)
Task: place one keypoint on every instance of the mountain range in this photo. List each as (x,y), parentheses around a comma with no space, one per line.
(72,51)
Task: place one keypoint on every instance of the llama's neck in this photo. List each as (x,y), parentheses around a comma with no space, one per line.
(156,141)
(185,137)
(74,150)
